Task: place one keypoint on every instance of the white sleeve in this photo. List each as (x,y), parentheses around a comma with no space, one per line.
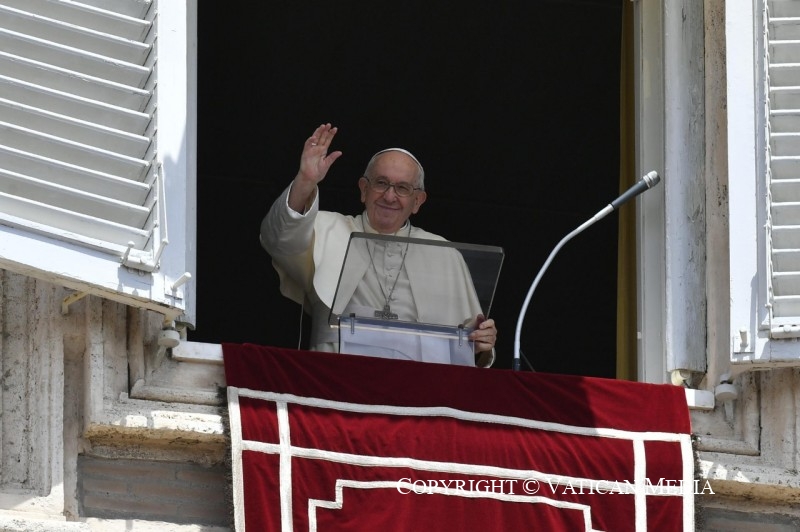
(285,232)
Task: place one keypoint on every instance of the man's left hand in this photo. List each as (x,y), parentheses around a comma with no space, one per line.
(484,335)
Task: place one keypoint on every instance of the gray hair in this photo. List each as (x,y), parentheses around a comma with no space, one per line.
(420,172)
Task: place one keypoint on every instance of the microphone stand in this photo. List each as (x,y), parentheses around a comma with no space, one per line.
(647,182)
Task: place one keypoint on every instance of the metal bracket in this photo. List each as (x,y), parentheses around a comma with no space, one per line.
(743,342)
(70,299)
(150,262)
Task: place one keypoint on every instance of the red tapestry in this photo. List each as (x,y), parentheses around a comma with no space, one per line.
(328,442)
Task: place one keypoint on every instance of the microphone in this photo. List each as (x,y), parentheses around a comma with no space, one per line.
(647,182)
(650,180)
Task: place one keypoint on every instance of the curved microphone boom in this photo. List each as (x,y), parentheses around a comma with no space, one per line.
(649,180)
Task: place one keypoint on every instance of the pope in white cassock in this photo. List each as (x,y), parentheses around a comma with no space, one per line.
(308,248)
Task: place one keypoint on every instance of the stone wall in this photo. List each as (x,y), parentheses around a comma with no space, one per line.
(103,429)
(100,427)
(182,492)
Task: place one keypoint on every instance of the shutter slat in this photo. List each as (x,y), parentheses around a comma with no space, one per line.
(784,51)
(786,306)
(783,214)
(73,176)
(73,59)
(786,237)
(130,8)
(788,282)
(72,152)
(784,167)
(787,97)
(64,220)
(80,131)
(781,9)
(77,39)
(102,20)
(787,143)
(786,191)
(785,120)
(80,202)
(57,78)
(785,28)
(72,105)
(786,260)
(784,74)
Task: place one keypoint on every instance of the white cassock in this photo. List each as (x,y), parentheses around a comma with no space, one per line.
(308,252)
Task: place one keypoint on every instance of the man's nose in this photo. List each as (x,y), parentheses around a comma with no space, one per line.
(390,193)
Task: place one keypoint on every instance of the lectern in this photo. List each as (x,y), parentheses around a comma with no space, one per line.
(447,286)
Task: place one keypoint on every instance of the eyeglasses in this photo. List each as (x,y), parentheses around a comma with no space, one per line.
(403,190)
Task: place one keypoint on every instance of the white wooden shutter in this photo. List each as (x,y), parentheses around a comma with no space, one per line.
(97,145)
(783,166)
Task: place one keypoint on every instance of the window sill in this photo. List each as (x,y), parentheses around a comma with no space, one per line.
(199,352)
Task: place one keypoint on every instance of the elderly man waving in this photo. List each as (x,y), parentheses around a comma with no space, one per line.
(307,244)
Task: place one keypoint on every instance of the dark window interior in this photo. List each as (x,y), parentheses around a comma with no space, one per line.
(512,108)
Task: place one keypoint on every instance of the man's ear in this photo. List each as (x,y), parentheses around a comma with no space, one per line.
(419,199)
(363,183)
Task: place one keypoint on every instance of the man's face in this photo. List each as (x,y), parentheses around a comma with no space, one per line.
(387,212)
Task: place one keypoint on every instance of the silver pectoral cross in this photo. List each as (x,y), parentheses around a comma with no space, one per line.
(386,313)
